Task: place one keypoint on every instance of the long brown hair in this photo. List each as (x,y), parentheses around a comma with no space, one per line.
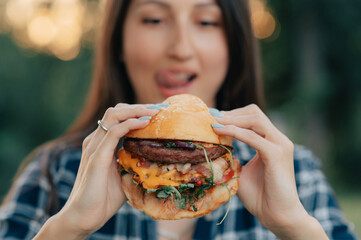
(111,85)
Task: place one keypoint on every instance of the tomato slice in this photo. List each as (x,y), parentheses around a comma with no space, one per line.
(226,176)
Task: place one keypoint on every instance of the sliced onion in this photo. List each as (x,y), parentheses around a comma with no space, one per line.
(150,144)
(185,145)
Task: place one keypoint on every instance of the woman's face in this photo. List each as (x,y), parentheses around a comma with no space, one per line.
(175,46)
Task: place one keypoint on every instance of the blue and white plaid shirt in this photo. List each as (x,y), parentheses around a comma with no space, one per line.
(25,213)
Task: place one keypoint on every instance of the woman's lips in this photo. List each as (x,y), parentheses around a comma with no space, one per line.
(174,82)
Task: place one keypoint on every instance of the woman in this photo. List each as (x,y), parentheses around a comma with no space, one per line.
(152,49)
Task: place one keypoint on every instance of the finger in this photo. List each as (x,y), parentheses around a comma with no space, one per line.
(87,140)
(255,122)
(249,109)
(117,115)
(104,152)
(259,122)
(123,112)
(85,153)
(245,135)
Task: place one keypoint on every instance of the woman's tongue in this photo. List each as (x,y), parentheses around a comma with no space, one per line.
(172,80)
(172,83)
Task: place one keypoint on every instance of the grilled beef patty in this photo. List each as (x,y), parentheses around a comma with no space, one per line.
(168,151)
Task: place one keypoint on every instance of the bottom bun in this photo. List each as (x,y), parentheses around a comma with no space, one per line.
(165,208)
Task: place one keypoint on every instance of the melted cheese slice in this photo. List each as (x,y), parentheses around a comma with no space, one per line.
(150,177)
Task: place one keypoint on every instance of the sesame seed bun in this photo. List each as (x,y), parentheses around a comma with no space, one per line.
(186,118)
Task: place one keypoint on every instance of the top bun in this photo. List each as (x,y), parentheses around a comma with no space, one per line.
(186,117)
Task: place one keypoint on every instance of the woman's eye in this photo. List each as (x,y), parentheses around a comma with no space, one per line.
(154,21)
(209,23)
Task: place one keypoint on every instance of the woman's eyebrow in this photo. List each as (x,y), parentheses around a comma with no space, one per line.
(159,3)
(202,5)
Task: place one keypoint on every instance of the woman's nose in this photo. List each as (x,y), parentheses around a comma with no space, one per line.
(180,43)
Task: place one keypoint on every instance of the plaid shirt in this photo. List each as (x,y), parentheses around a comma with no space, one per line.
(23,216)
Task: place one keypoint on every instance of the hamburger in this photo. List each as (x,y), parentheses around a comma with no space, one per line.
(177,166)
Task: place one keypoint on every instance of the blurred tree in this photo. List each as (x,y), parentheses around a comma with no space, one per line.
(312,73)
(39,98)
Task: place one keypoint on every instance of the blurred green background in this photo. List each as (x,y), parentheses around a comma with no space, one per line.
(311,62)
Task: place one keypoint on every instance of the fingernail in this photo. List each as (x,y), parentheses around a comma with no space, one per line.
(156,107)
(217,125)
(145,118)
(163,104)
(215,112)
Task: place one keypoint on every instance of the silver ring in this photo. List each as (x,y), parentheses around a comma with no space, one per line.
(102,126)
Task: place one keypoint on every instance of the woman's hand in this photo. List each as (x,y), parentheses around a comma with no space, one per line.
(97,194)
(267,185)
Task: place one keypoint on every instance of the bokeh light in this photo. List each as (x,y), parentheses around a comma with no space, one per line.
(54,27)
(19,12)
(263,22)
(42,30)
(61,27)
